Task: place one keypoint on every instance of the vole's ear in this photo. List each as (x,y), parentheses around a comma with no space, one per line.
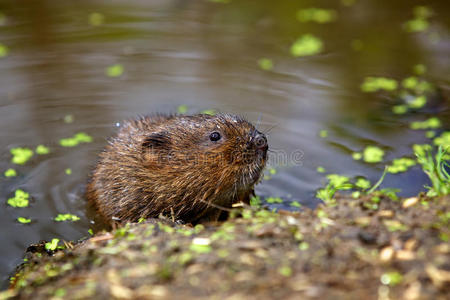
(156,149)
(156,141)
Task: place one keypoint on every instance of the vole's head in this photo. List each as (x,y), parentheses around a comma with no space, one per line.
(224,147)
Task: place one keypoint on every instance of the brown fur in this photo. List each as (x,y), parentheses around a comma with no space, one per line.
(169,165)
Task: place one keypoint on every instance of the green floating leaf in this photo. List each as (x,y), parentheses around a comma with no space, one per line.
(66,217)
(357,155)
(431,123)
(274,200)
(418,102)
(318,15)
(362,183)
(391,278)
(320,169)
(306,45)
(96,19)
(210,112)
(400,109)
(10,173)
(373,154)
(401,165)
(295,204)
(373,84)
(23,220)
(51,246)
(69,119)
(21,155)
(3,50)
(273,171)
(182,109)
(323,133)
(430,134)
(265,64)
(443,140)
(20,199)
(68,171)
(420,69)
(114,70)
(41,149)
(78,138)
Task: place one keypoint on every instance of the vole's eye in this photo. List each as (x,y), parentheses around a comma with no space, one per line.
(215,136)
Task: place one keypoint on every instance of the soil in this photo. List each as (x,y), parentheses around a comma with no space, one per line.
(350,250)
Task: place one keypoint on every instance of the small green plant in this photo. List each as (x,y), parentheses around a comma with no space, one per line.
(435,168)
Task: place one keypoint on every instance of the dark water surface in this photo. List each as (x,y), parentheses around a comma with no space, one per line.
(203,55)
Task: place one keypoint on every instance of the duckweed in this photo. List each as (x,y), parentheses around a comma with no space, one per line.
(373,84)
(51,246)
(10,173)
(274,200)
(318,15)
(306,45)
(42,150)
(443,140)
(78,138)
(182,109)
(96,19)
(418,102)
(3,50)
(323,133)
(391,278)
(66,217)
(68,171)
(431,123)
(295,204)
(400,109)
(210,112)
(362,183)
(420,69)
(401,165)
(265,64)
(21,155)
(23,220)
(320,169)
(114,70)
(373,154)
(20,199)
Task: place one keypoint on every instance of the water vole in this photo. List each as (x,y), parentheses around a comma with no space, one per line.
(182,166)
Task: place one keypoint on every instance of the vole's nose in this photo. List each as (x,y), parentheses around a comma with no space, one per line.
(260,141)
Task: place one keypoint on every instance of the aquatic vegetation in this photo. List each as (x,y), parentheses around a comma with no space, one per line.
(318,15)
(373,154)
(20,199)
(320,169)
(21,155)
(210,112)
(23,220)
(42,150)
(362,183)
(418,102)
(373,84)
(295,204)
(66,217)
(323,133)
(3,50)
(52,246)
(435,168)
(114,70)
(10,173)
(391,278)
(443,140)
(78,138)
(401,165)
(182,109)
(96,19)
(306,45)
(420,22)
(420,69)
(431,123)
(265,64)
(201,245)
(400,109)
(68,171)
(335,183)
(68,119)
(274,200)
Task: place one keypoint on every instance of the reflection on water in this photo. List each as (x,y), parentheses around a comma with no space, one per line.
(203,55)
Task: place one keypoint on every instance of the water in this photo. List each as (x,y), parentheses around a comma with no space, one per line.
(203,55)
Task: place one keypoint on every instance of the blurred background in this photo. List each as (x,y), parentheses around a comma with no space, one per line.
(84,66)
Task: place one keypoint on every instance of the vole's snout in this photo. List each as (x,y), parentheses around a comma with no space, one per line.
(260,141)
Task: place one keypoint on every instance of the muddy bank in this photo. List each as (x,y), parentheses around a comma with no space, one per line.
(398,250)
